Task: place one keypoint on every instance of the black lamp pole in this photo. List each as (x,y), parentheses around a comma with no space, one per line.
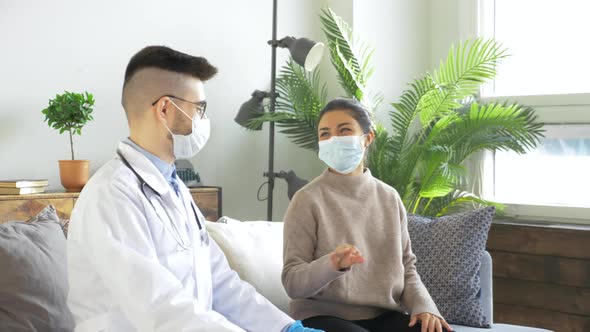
(274,43)
(306,53)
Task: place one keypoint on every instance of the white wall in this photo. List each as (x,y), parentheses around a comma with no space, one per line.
(49,47)
(451,21)
(399,32)
(73,45)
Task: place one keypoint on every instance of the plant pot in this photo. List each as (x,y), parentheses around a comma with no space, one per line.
(74,174)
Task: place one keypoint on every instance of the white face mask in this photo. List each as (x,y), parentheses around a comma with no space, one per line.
(186,146)
(343,153)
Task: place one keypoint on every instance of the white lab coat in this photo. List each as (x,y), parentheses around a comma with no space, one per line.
(126,272)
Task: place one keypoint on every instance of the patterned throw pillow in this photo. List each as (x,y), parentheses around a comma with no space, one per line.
(65,223)
(448,251)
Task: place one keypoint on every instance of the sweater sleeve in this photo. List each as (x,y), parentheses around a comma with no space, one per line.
(415,295)
(303,276)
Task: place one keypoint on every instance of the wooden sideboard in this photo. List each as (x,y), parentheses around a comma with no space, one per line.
(541,275)
(24,207)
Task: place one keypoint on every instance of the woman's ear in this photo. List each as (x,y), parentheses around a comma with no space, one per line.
(370,136)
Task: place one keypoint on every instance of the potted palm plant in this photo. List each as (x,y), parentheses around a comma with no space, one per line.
(437,123)
(70,112)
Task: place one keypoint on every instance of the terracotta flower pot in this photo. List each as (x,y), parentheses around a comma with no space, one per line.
(74,174)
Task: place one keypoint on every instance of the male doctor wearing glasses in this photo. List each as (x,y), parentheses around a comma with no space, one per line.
(139,257)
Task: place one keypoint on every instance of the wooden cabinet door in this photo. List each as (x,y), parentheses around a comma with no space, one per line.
(25,209)
(209,202)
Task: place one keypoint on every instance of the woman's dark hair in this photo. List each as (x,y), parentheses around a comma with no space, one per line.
(354,108)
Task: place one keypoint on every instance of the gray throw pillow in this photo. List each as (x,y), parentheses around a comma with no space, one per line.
(33,281)
(448,251)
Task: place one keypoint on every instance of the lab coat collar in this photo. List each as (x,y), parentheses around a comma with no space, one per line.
(145,168)
(168,170)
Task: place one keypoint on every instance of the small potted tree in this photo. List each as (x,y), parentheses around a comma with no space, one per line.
(69,112)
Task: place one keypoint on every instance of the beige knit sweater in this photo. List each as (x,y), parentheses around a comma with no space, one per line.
(362,211)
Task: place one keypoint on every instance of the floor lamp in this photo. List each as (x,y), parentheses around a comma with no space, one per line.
(304,52)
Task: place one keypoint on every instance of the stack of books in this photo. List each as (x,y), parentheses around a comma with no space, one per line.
(21,187)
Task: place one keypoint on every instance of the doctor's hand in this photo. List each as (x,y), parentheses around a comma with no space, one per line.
(430,323)
(346,256)
(298,327)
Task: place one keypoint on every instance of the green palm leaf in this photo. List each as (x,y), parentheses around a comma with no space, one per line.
(441,181)
(459,201)
(424,162)
(351,58)
(405,111)
(380,154)
(438,176)
(302,95)
(490,127)
(459,76)
(404,152)
(301,98)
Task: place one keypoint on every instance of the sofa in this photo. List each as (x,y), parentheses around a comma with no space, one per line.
(33,282)
(254,251)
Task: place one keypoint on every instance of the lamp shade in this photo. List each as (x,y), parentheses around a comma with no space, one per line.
(251,109)
(305,52)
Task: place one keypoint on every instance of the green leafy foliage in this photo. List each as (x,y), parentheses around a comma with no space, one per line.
(426,165)
(69,112)
(351,57)
(437,122)
(301,98)
(302,95)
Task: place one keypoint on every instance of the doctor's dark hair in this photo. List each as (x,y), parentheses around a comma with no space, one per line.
(165,58)
(352,107)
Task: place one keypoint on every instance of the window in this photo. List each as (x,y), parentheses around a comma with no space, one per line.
(556,173)
(548,44)
(549,70)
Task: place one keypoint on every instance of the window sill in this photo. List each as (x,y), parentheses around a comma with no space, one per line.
(547,215)
(574,99)
(542,224)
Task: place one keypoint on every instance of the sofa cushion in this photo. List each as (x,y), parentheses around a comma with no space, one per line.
(448,251)
(497,328)
(255,251)
(33,282)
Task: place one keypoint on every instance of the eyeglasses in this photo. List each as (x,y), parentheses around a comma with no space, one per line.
(200,106)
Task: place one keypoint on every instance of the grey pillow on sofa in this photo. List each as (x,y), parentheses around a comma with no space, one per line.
(448,251)
(33,281)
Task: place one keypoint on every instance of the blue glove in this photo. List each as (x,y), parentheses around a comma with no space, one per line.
(298,327)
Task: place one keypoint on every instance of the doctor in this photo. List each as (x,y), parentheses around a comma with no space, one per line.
(139,257)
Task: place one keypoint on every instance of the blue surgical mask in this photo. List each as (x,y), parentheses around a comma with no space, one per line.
(343,153)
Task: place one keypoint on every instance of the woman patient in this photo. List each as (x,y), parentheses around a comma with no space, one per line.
(348,262)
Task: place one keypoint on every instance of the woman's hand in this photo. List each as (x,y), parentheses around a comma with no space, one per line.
(345,256)
(430,322)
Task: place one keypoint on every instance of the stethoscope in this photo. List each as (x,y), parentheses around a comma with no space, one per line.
(174,231)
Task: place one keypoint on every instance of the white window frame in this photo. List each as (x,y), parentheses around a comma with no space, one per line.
(551,109)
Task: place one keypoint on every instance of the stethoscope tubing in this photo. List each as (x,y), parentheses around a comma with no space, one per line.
(176,233)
